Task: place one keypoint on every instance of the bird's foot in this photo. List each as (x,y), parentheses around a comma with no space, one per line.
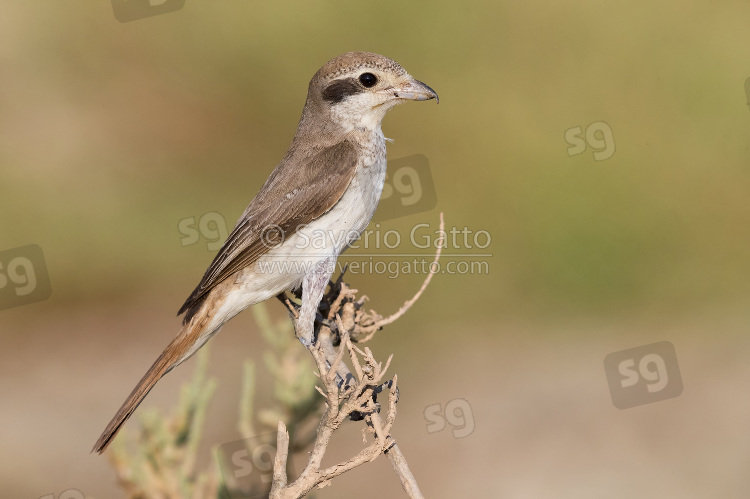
(358,416)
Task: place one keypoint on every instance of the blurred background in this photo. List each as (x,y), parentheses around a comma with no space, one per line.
(605,150)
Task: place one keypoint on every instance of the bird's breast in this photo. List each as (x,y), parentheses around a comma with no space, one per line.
(349,217)
(326,236)
(370,174)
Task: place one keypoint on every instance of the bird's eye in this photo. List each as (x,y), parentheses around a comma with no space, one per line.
(368,79)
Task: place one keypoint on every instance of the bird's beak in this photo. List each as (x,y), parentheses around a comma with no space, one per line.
(414,90)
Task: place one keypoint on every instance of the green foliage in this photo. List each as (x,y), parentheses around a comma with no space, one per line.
(159,459)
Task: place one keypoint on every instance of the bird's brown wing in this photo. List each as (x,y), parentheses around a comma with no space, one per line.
(296,193)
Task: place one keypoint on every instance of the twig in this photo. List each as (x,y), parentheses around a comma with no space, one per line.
(341,402)
(371,330)
(282,453)
(401,467)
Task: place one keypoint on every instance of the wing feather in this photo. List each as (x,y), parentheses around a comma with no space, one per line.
(296,193)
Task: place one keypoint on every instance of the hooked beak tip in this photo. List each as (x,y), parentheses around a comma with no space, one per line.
(416,90)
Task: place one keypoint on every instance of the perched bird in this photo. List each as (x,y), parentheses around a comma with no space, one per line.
(325,189)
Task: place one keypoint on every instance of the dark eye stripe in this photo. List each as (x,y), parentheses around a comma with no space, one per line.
(341,89)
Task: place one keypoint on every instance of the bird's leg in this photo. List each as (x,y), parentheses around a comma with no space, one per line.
(313,286)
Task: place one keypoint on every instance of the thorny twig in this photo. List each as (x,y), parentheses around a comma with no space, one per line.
(348,395)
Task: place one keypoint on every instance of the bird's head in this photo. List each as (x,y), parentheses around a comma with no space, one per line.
(356,89)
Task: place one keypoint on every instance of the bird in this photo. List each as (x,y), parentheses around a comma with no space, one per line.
(325,189)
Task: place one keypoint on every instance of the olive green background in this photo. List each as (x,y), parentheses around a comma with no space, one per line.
(111,133)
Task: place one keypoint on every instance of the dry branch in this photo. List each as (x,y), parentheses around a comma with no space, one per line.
(163,463)
(343,321)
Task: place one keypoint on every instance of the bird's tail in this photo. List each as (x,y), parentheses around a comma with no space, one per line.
(187,341)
